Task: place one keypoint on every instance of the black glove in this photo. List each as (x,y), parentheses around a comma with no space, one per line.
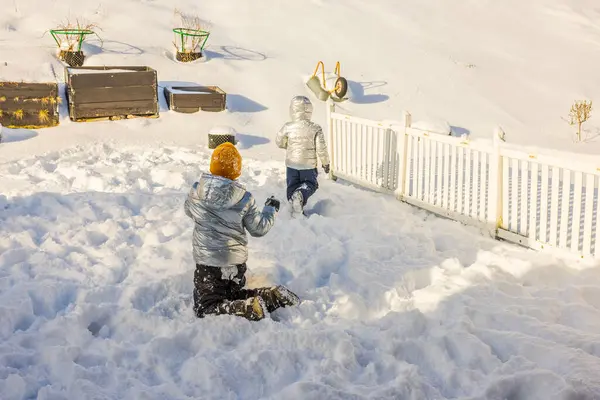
(326,168)
(273,202)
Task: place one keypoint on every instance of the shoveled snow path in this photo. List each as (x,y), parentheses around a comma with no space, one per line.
(96,281)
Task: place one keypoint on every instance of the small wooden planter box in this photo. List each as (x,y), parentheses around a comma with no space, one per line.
(96,93)
(190,99)
(29,105)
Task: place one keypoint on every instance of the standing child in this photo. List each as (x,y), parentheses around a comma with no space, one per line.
(223,210)
(303,141)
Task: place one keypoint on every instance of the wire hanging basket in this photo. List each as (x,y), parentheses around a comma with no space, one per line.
(189,43)
(70,45)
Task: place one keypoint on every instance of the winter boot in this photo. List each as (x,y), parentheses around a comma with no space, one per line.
(277,296)
(297,202)
(253,308)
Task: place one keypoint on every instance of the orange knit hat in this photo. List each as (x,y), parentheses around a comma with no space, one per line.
(226,161)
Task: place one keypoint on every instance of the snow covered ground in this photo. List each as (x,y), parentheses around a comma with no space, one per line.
(95,250)
(96,279)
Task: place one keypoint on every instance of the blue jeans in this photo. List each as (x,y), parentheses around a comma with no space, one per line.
(304,180)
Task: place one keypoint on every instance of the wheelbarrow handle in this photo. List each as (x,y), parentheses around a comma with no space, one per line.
(337,71)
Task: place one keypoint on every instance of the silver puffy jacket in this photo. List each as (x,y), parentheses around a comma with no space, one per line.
(223,210)
(303,139)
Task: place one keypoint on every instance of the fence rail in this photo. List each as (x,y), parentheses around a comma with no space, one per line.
(536,200)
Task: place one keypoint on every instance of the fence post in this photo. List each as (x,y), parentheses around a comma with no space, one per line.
(331,144)
(401,141)
(495,184)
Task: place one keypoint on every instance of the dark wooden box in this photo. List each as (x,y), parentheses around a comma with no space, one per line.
(111,92)
(29,105)
(190,99)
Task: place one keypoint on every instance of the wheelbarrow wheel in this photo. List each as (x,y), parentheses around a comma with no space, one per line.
(341,87)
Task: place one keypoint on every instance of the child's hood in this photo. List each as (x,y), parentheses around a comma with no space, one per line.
(217,192)
(301,108)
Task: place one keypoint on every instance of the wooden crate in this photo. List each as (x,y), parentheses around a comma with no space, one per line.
(190,99)
(29,105)
(117,92)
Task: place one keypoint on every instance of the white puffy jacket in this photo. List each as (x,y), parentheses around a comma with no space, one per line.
(302,138)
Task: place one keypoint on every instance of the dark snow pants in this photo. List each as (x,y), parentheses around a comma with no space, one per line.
(221,290)
(304,180)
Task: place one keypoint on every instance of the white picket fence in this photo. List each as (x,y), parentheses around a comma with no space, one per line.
(535,200)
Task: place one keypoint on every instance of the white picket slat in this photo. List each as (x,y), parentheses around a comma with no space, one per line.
(468,180)
(446,178)
(564,212)
(523,196)
(544,205)
(476,195)
(576,218)
(505,193)
(597,235)
(439,147)
(421,171)
(460,184)
(590,182)
(483,199)
(533,220)
(426,170)
(452,187)
(554,207)
(514,194)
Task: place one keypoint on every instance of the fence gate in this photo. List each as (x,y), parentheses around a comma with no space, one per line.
(363,152)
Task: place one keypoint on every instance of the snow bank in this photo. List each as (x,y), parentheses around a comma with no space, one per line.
(96,281)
